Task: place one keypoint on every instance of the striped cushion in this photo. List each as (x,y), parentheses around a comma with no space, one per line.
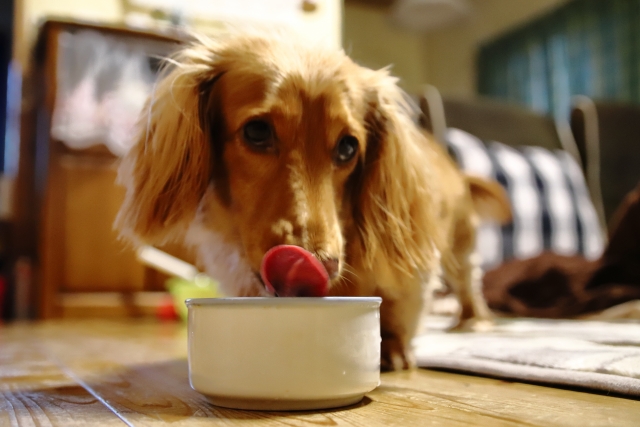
(551,206)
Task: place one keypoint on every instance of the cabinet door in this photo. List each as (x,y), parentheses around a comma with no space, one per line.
(95,82)
(94,259)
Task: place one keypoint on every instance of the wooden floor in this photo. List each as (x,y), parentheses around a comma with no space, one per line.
(99,373)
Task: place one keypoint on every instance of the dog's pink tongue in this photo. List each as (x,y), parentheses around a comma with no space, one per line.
(290,271)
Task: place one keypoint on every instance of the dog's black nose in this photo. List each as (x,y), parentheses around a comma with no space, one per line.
(332,266)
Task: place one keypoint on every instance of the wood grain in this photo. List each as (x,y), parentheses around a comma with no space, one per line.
(67,199)
(111,304)
(34,390)
(51,226)
(139,371)
(94,259)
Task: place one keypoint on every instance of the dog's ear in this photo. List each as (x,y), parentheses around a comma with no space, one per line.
(394,208)
(167,171)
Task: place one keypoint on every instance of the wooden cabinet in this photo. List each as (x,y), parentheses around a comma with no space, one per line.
(82,268)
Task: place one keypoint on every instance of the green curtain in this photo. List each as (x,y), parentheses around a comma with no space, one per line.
(586,47)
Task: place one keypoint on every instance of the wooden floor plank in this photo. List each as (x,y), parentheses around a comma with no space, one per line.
(139,369)
(34,391)
(508,401)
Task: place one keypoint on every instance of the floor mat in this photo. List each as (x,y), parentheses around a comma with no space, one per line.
(597,355)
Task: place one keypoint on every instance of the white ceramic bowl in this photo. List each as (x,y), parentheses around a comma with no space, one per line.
(284,353)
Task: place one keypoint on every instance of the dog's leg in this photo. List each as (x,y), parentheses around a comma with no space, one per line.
(466,282)
(463,273)
(399,318)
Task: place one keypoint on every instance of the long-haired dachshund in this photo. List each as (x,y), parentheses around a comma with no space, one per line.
(249,142)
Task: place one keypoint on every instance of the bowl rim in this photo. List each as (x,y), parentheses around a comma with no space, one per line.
(290,301)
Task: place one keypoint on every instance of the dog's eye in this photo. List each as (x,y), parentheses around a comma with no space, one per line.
(345,150)
(258,134)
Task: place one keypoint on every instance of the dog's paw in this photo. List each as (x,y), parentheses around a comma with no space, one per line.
(395,356)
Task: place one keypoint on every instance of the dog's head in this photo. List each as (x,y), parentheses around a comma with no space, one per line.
(266,142)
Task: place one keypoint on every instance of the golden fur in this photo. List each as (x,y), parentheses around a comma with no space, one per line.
(390,216)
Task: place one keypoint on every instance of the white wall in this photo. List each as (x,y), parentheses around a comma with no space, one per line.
(451,53)
(32,12)
(371,41)
(445,58)
(323,24)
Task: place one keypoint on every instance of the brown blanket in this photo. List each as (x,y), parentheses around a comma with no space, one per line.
(556,286)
